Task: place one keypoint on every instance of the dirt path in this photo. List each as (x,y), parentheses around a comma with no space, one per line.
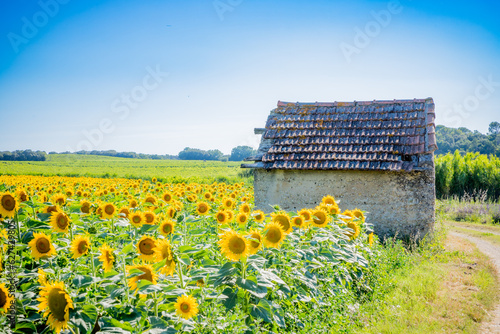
(492,252)
(479,228)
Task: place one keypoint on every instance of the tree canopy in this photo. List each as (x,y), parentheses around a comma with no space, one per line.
(465,140)
(241,152)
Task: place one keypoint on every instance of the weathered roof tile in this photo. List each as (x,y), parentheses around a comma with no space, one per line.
(348,135)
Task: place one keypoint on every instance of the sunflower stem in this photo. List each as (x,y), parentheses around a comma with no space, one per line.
(125,279)
(156,304)
(93,270)
(16,219)
(179,272)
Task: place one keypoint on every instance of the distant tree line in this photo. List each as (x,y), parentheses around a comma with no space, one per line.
(237,154)
(26,155)
(113,153)
(464,140)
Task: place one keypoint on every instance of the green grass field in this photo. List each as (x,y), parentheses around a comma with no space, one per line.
(102,166)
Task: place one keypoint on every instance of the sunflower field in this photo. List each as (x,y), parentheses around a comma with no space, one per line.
(97,255)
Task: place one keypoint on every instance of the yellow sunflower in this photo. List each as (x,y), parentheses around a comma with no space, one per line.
(273,235)
(149,217)
(167,227)
(85,206)
(163,251)
(132,203)
(230,215)
(124,212)
(42,276)
(245,208)
(356,230)
(107,258)
(52,208)
(320,218)
(60,221)
(149,275)
(228,202)
(359,214)
(56,302)
(299,221)
(186,307)
(259,216)
(151,199)
(234,246)
(8,205)
(5,300)
(108,210)
(80,246)
(136,219)
(221,217)
(146,248)
(370,239)
(255,241)
(306,213)
(202,208)
(242,218)
(170,212)
(22,195)
(41,246)
(282,218)
(329,200)
(167,197)
(59,199)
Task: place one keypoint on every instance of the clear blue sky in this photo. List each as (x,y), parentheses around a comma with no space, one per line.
(157,76)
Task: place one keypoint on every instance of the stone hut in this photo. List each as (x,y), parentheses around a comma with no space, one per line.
(375,155)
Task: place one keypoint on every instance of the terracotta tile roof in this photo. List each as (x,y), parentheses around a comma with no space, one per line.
(376,135)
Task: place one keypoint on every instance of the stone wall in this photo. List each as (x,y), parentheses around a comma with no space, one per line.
(396,202)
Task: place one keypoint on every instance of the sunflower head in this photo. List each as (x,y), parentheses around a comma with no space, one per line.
(255,241)
(283,219)
(80,246)
(124,212)
(136,219)
(186,307)
(167,197)
(108,210)
(150,199)
(59,199)
(221,217)
(234,246)
(22,195)
(163,251)
(259,216)
(107,258)
(167,227)
(355,229)
(146,248)
(85,206)
(148,274)
(56,302)
(8,205)
(306,213)
(149,217)
(242,219)
(132,203)
(273,235)
(320,218)
(41,246)
(5,300)
(228,203)
(299,221)
(370,239)
(245,208)
(202,208)
(359,214)
(328,200)
(60,221)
